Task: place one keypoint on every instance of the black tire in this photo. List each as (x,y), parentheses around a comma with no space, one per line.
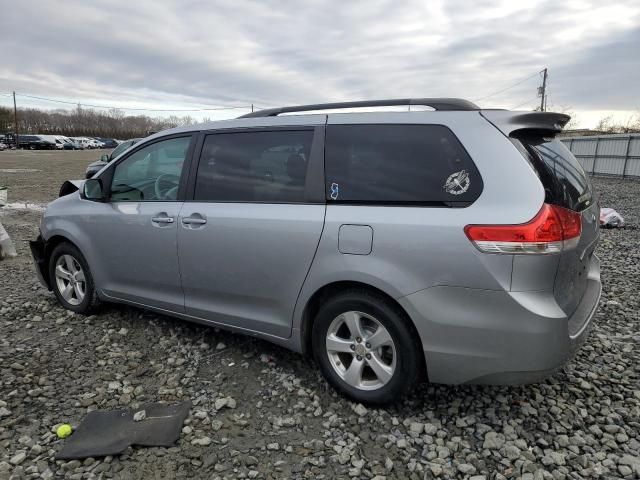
(90,301)
(409,355)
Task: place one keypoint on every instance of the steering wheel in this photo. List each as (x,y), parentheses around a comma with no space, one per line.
(167,178)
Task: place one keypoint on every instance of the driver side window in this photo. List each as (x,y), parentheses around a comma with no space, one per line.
(152,173)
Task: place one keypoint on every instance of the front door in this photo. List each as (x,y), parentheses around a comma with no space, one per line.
(135,232)
(248,238)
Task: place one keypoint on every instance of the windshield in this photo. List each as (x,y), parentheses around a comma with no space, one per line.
(120,148)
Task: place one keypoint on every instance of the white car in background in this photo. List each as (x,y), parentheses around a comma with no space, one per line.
(83,142)
(93,143)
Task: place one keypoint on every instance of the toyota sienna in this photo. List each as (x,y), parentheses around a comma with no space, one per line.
(454,245)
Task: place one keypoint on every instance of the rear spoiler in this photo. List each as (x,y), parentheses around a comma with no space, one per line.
(508,122)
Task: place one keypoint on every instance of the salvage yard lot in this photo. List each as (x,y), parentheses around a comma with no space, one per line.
(285,422)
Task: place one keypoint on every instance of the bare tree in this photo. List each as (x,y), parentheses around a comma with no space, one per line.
(87,122)
(608,125)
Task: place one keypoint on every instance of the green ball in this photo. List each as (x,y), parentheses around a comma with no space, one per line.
(64,430)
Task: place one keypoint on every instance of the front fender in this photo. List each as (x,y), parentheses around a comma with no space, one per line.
(62,222)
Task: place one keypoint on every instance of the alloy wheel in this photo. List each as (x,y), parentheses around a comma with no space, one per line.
(361,350)
(70,279)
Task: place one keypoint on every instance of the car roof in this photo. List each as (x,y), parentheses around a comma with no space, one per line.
(307,115)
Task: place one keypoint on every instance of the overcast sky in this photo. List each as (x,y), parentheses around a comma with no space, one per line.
(190,54)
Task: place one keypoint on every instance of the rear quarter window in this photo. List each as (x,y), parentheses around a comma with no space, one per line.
(399,164)
(565,182)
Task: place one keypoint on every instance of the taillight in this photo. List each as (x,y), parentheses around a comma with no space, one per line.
(551,230)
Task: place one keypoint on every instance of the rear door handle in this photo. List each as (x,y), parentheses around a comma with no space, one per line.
(194,221)
(162,219)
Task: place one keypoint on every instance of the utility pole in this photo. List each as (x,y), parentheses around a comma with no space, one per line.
(252,108)
(542,91)
(15,120)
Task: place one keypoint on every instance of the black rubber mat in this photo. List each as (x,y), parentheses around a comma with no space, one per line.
(103,433)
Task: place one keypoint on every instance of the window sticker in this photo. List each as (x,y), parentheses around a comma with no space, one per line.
(457,183)
(335,190)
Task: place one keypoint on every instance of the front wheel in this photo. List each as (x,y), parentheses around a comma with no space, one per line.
(366,347)
(71,279)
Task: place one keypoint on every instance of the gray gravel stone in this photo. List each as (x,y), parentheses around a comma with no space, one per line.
(18,458)
(580,423)
(202,441)
(416,427)
(360,410)
(493,441)
(466,468)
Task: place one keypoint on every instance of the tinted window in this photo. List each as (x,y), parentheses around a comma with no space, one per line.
(563,178)
(121,148)
(254,167)
(151,173)
(422,164)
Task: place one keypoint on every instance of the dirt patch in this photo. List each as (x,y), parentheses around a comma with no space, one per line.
(53,168)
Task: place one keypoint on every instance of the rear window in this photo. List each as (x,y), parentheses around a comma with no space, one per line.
(565,182)
(399,164)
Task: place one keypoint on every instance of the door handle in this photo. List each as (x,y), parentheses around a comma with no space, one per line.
(194,221)
(162,219)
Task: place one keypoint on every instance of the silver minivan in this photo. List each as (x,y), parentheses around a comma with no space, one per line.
(453,244)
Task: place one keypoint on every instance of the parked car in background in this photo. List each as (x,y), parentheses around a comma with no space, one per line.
(455,245)
(90,143)
(58,140)
(3,146)
(73,144)
(108,142)
(96,166)
(67,143)
(83,142)
(9,139)
(35,142)
(52,139)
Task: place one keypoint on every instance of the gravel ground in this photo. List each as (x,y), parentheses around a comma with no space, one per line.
(260,411)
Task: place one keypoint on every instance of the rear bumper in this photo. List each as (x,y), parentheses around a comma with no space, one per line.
(499,337)
(38,254)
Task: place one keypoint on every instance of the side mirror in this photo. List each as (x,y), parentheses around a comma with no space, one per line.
(92,190)
(105,158)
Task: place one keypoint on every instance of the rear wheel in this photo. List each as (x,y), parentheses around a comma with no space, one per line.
(366,348)
(71,279)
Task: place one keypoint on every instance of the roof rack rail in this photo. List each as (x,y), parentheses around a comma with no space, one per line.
(443,104)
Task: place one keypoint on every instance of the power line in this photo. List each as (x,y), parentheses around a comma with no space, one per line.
(524,103)
(507,88)
(234,107)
